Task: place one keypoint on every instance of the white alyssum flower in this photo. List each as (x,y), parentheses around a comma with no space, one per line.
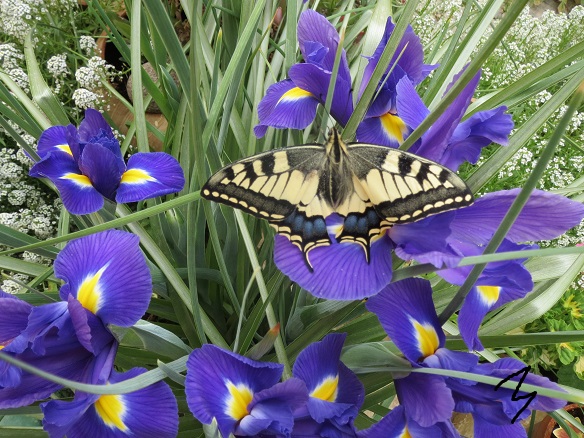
(86,99)
(88,45)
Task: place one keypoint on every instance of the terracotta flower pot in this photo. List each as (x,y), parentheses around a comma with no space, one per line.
(546,427)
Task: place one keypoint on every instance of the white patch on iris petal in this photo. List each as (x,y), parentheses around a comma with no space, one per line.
(427,337)
(136,176)
(239,398)
(112,409)
(89,293)
(327,390)
(489,294)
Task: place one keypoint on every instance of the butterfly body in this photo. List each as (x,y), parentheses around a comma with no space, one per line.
(372,187)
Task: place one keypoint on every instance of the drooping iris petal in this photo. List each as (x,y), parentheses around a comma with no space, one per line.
(318,40)
(149,412)
(387,130)
(149,175)
(221,384)
(89,329)
(14,317)
(413,391)
(108,274)
(353,277)
(486,429)
(315,80)
(102,167)
(271,410)
(478,131)
(436,140)
(54,139)
(406,312)
(285,105)
(335,392)
(409,104)
(76,190)
(94,129)
(545,216)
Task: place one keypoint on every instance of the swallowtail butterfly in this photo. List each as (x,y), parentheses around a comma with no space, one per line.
(372,187)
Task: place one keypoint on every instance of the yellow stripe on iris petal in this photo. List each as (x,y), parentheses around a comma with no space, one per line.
(89,293)
(327,390)
(136,176)
(295,93)
(64,148)
(394,127)
(237,403)
(489,294)
(111,409)
(428,340)
(78,179)
(405,433)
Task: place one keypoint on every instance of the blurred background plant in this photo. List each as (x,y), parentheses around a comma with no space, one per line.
(214,275)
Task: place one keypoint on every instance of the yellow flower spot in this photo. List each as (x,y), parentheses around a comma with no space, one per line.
(111,409)
(394,126)
(327,390)
(136,176)
(240,398)
(80,180)
(64,148)
(489,294)
(405,433)
(428,341)
(295,94)
(89,292)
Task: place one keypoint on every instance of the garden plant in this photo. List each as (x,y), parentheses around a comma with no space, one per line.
(360,218)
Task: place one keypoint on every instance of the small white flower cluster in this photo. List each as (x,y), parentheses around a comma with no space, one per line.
(58,68)
(90,78)
(12,287)
(88,45)
(11,61)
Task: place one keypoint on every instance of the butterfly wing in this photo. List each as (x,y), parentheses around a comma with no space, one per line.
(395,187)
(280,186)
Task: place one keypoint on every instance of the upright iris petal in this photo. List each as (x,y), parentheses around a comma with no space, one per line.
(292,103)
(243,395)
(86,165)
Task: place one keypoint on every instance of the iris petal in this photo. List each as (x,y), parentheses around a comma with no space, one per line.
(113,259)
(149,175)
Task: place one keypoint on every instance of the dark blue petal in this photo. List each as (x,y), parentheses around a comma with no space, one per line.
(213,372)
(318,41)
(406,312)
(412,392)
(314,79)
(76,190)
(108,274)
(94,129)
(285,106)
(435,140)
(103,168)
(409,104)
(484,429)
(149,175)
(271,410)
(54,139)
(14,317)
(387,130)
(480,130)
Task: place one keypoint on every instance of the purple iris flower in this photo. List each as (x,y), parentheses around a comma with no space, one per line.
(292,103)
(86,165)
(107,281)
(149,412)
(335,392)
(443,240)
(241,394)
(406,311)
